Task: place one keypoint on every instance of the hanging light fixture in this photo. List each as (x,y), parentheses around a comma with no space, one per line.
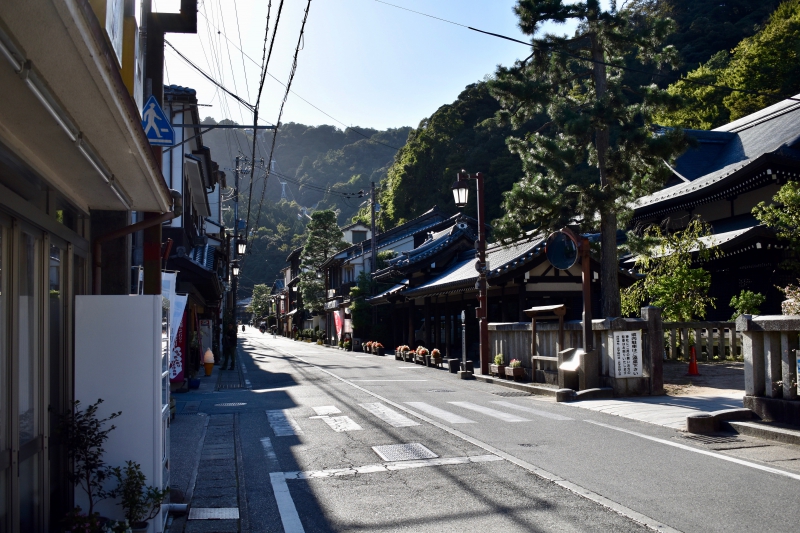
(461,189)
(241,245)
(235,266)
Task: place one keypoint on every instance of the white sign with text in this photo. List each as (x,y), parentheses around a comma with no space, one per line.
(628,354)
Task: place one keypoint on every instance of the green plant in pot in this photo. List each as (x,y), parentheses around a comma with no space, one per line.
(140,502)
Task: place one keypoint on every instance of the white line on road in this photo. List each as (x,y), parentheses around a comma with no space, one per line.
(388,380)
(363,356)
(533,411)
(390,416)
(651,523)
(702,452)
(506,417)
(407,367)
(447,416)
(341,423)
(289,517)
(283,424)
(269,453)
(323,410)
(396,465)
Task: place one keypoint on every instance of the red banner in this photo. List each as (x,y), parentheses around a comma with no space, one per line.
(177,360)
(337,319)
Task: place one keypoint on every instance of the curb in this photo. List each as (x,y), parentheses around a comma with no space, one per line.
(767,432)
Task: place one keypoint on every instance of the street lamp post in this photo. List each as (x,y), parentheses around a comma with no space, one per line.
(461,195)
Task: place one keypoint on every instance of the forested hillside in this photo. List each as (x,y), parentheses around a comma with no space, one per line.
(308,159)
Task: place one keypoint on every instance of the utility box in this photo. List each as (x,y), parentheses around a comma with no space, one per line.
(122,356)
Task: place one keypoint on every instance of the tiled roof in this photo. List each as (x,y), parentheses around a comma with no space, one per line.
(435,243)
(724,151)
(203,255)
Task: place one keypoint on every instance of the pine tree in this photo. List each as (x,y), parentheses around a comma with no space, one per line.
(597,151)
(324,239)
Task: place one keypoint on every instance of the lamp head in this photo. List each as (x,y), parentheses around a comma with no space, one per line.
(460,189)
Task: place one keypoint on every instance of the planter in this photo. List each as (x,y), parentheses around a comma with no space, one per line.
(498,370)
(194,383)
(419,359)
(408,357)
(427,360)
(398,356)
(435,361)
(515,373)
(379,351)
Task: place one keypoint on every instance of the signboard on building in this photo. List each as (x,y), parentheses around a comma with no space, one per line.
(628,354)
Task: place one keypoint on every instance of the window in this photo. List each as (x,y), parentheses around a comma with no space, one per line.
(359,236)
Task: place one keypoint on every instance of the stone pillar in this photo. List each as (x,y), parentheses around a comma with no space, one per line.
(448,323)
(655,331)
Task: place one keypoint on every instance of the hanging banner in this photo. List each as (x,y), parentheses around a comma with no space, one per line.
(176,361)
(338,319)
(177,307)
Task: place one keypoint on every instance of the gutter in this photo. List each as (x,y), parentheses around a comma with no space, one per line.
(177,209)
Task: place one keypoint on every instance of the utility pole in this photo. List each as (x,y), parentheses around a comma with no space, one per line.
(374,242)
(235,280)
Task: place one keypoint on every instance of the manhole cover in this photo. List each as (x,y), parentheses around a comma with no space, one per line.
(214,513)
(710,439)
(404,452)
(230,404)
(440,390)
(512,393)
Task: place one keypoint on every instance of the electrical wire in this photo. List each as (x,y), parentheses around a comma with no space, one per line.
(590,60)
(346,127)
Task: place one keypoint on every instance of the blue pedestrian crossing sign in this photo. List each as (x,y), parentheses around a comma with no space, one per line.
(156,124)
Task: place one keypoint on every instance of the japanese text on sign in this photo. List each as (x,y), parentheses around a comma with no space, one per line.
(628,354)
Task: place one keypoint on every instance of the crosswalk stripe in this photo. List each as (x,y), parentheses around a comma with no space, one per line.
(341,423)
(323,410)
(282,423)
(533,411)
(447,416)
(390,416)
(505,417)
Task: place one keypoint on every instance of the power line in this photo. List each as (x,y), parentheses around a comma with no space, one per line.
(346,127)
(588,59)
(280,112)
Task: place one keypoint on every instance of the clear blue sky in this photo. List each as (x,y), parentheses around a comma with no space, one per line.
(363,62)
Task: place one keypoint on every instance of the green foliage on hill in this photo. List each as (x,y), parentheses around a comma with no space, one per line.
(764,65)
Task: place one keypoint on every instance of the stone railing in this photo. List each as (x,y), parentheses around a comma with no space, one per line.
(770,346)
(514,341)
(718,338)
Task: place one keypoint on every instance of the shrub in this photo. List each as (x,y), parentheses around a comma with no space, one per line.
(422,351)
(515,363)
(498,359)
(747,303)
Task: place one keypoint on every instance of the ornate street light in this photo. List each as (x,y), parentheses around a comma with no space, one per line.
(235,268)
(460,189)
(461,194)
(241,245)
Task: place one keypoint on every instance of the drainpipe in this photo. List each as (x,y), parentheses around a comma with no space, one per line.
(177,209)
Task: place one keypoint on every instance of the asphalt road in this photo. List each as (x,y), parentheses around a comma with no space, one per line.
(488,460)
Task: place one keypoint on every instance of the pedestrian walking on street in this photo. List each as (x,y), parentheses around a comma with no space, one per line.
(229,347)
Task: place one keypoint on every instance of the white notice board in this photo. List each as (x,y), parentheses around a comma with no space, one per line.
(628,354)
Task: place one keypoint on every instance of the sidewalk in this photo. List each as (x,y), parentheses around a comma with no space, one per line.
(203,459)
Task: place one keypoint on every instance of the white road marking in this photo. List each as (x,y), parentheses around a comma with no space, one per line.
(447,416)
(407,367)
(269,453)
(363,356)
(390,416)
(323,410)
(341,423)
(702,452)
(387,467)
(505,417)
(533,411)
(289,517)
(248,384)
(283,424)
(370,380)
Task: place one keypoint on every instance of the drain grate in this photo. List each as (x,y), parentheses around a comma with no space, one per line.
(512,393)
(404,452)
(710,439)
(440,390)
(230,404)
(236,385)
(214,513)
(528,445)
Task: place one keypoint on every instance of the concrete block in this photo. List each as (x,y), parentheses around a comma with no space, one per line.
(565,395)
(774,409)
(465,375)
(716,420)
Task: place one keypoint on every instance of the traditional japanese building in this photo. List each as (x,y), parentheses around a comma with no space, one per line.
(731,170)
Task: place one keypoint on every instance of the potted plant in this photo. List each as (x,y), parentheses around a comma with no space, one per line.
(347,345)
(435,357)
(499,367)
(421,353)
(368,347)
(377,348)
(515,370)
(140,502)
(340,344)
